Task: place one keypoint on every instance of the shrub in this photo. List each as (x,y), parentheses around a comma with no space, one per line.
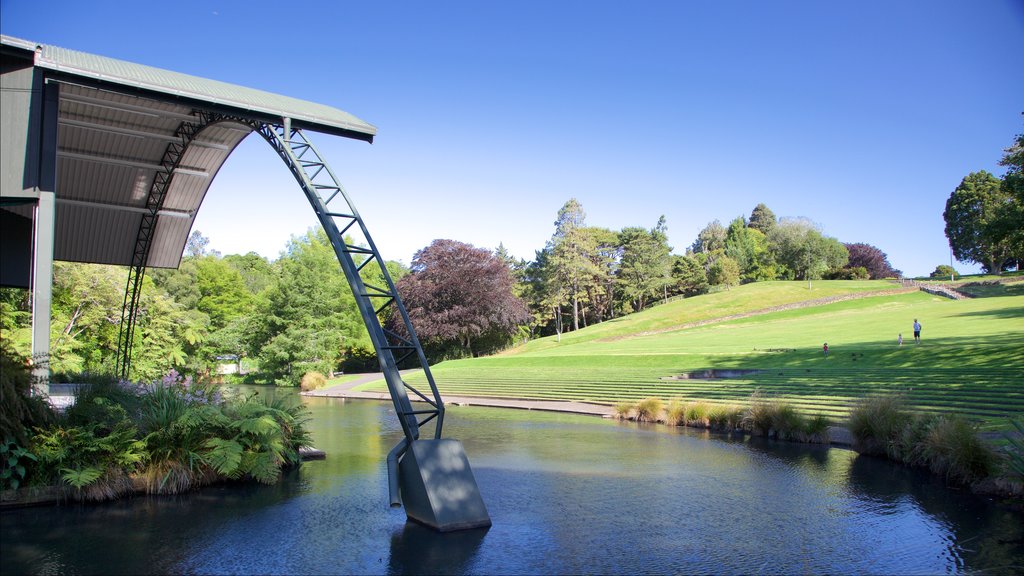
(648,410)
(311,381)
(725,417)
(675,414)
(876,424)
(953,449)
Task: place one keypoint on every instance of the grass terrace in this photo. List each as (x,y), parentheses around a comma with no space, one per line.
(969,362)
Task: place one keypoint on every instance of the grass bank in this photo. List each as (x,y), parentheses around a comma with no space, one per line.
(969,362)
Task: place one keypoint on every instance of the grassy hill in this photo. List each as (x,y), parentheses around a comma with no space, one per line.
(970,361)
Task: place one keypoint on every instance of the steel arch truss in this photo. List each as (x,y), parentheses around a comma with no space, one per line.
(364,268)
(185,133)
(361,261)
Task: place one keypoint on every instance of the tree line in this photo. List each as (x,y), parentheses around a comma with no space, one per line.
(296,314)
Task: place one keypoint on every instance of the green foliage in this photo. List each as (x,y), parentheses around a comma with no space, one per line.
(724,272)
(855,273)
(19,410)
(13,471)
(977,219)
(944,271)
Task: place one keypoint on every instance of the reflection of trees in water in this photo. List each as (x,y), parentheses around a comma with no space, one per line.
(416,549)
(984,535)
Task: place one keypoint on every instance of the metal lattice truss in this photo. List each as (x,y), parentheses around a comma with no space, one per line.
(362,264)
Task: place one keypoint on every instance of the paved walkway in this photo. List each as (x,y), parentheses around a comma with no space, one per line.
(839,436)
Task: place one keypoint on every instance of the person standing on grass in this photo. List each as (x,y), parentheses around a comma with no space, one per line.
(899,339)
(825,348)
(917,331)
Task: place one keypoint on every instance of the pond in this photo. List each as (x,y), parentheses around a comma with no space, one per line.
(566,493)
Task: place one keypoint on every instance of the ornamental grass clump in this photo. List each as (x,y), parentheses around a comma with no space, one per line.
(952,448)
(759,416)
(675,414)
(312,380)
(648,410)
(725,417)
(697,415)
(623,410)
(876,423)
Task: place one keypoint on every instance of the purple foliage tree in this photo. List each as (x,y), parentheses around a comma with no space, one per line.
(460,294)
(872,259)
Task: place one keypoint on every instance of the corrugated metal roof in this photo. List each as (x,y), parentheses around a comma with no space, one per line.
(115,122)
(180,85)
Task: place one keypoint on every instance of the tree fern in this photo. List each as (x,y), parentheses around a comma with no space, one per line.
(224,456)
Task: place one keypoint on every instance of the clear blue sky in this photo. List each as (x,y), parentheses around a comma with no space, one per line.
(862,116)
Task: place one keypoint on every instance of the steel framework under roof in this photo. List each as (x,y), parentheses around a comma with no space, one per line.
(116,120)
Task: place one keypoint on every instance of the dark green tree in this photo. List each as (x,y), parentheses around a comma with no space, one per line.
(762,219)
(977,222)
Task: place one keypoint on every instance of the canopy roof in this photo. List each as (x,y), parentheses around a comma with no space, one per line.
(116,121)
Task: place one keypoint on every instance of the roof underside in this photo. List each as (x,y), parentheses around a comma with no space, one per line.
(116,121)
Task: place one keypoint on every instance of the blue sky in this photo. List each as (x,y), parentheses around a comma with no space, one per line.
(862,116)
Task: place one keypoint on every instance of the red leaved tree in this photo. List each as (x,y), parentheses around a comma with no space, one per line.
(460,297)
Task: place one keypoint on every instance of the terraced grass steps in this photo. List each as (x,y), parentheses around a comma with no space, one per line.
(970,362)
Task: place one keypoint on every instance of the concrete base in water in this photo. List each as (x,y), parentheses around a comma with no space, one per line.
(438,487)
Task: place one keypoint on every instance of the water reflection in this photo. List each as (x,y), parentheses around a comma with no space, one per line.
(416,549)
(567,494)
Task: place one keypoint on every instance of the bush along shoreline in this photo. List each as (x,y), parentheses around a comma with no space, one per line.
(765,417)
(946,445)
(164,437)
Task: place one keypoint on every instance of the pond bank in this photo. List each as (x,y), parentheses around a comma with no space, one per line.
(838,435)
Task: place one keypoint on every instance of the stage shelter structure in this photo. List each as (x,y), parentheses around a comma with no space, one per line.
(107,161)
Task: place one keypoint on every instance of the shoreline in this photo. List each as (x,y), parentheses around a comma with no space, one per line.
(838,436)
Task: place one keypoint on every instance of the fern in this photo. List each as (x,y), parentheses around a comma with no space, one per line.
(82,477)
(224,456)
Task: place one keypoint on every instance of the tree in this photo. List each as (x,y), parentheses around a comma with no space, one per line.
(976,218)
(724,272)
(943,271)
(762,219)
(307,316)
(571,256)
(803,251)
(871,259)
(459,294)
(1010,221)
(689,275)
(645,266)
(749,248)
(196,244)
(710,239)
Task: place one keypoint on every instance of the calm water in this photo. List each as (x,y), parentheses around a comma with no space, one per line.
(567,494)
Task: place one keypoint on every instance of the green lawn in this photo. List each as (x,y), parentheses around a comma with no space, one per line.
(970,360)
